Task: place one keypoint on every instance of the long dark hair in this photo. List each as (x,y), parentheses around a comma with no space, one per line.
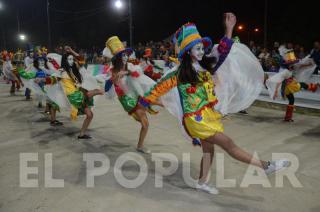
(71,70)
(117,63)
(187,74)
(36,63)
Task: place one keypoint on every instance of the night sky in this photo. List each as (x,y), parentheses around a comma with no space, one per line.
(90,23)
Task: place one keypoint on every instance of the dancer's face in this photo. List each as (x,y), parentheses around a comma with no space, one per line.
(7,58)
(70,60)
(125,58)
(41,63)
(197,51)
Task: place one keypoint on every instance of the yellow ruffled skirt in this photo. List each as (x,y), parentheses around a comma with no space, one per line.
(204,124)
(292,87)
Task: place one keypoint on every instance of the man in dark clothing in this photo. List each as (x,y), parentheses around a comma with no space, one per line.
(315,55)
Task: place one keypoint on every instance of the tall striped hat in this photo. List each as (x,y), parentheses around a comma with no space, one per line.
(187,36)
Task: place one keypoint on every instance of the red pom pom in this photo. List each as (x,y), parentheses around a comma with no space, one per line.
(191,89)
(135,74)
(48,80)
(149,68)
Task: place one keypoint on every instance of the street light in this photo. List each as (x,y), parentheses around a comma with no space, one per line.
(240,27)
(22,37)
(118,4)
(256,30)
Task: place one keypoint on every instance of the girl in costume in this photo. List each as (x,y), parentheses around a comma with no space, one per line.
(129,82)
(237,80)
(71,79)
(291,78)
(37,82)
(10,72)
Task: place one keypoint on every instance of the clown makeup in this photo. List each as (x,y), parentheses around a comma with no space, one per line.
(70,60)
(197,51)
(41,63)
(125,58)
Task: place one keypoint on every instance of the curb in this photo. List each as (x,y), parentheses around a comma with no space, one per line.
(278,106)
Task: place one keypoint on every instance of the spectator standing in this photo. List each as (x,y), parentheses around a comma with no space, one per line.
(315,55)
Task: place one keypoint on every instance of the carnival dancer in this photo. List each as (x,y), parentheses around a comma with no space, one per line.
(37,82)
(129,82)
(28,64)
(71,79)
(292,77)
(192,87)
(10,72)
(150,68)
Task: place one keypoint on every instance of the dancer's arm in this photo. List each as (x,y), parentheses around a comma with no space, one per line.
(117,76)
(226,42)
(275,95)
(161,88)
(68,49)
(80,59)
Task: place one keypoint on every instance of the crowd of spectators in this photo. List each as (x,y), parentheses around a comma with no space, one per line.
(269,58)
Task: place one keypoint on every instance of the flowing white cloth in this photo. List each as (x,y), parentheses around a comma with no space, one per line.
(238,81)
(7,69)
(304,69)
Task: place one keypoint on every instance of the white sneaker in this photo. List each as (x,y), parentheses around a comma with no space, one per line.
(143,150)
(206,188)
(276,166)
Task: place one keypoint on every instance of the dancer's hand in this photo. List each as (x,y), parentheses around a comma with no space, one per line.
(229,22)
(122,73)
(37,80)
(275,95)
(68,49)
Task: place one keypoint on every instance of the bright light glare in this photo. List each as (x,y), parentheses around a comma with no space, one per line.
(118,4)
(22,37)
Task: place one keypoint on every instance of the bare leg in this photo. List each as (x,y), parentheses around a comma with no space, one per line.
(95,92)
(87,121)
(52,114)
(48,108)
(142,117)
(206,161)
(236,152)
(13,87)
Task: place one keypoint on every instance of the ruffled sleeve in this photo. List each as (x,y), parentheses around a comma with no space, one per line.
(27,75)
(223,50)
(161,88)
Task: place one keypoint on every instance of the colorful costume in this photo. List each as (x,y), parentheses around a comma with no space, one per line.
(41,73)
(194,104)
(293,75)
(10,72)
(66,91)
(129,87)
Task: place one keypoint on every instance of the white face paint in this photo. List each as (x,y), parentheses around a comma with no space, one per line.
(41,63)
(197,51)
(70,60)
(125,58)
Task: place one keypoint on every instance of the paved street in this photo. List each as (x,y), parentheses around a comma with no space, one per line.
(24,129)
